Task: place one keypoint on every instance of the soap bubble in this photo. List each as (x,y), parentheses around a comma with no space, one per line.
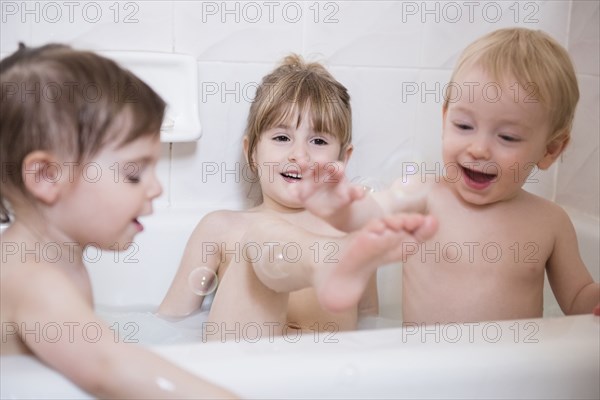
(369,184)
(203,281)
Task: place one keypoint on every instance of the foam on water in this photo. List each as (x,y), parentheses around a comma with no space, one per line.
(142,325)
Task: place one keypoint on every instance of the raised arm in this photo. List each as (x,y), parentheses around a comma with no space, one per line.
(80,346)
(327,193)
(202,251)
(571,282)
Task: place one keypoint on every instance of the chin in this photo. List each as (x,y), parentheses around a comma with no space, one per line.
(121,243)
(475,199)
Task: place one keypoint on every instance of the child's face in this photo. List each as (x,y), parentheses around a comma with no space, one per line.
(492,139)
(285,154)
(103,204)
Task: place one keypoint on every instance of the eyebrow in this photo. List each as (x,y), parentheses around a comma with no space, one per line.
(142,160)
(460,108)
(503,120)
(281,126)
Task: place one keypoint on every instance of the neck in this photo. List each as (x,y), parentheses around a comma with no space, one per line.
(36,239)
(269,205)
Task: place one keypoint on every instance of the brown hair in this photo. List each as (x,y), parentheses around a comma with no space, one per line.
(68,102)
(290,89)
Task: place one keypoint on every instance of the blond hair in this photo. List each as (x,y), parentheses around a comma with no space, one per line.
(292,88)
(536,61)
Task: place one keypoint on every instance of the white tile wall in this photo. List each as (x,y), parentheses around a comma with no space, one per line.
(376,48)
(104,25)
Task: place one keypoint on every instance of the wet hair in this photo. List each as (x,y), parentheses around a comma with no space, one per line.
(541,66)
(292,88)
(70,103)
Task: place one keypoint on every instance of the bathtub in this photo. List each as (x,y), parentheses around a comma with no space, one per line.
(553,357)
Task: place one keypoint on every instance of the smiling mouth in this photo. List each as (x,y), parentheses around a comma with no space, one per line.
(291,176)
(478,177)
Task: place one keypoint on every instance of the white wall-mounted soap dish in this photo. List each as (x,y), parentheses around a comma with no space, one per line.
(175,78)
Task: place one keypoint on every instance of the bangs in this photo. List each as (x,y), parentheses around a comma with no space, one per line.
(327,112)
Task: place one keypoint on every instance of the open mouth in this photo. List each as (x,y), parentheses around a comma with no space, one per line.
(291,176)
(480,178)
(138,225)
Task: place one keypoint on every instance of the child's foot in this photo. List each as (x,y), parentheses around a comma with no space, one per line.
(380,242)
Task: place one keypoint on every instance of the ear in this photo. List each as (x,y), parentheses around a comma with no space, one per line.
(553,149)
(346,153)
(41,175)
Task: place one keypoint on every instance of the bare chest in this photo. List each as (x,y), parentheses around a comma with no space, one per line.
(502,239)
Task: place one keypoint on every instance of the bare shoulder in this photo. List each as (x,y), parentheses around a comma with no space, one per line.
(543,208)
(31,288)
(226,219)
(221,224)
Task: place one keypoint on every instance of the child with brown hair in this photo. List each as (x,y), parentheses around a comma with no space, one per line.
(78,157)
(270,259)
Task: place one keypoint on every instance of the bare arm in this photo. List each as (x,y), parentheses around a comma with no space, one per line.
(88,353)
(348,207)
(571,282)
(202,250)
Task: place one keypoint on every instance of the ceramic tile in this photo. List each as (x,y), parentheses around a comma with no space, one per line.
(238,31)
(139,25)
(578,183)
(383,122)
(14,27)
(450,26)
(366,34)
(584,37)
(212,170)
(429,89)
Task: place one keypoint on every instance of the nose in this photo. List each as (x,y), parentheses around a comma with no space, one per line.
(154,187)
(299,154)
(479,147)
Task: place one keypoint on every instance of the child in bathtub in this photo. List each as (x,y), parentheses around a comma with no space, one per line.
(495,240)
(269,259)
(78,168)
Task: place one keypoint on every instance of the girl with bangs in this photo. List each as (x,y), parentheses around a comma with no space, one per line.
(279,267)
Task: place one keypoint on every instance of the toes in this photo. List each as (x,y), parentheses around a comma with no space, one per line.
(408,222)
(427,229)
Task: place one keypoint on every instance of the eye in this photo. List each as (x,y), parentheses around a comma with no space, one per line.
(281,138)
(135,170)
(132,171)
(463,126)
(132,179)
(319,141)
(510,139)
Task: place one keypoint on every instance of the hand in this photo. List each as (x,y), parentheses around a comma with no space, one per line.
(597,310)
(325,190)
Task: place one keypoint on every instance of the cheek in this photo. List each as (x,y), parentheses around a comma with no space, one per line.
(327,153)
(449,145)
